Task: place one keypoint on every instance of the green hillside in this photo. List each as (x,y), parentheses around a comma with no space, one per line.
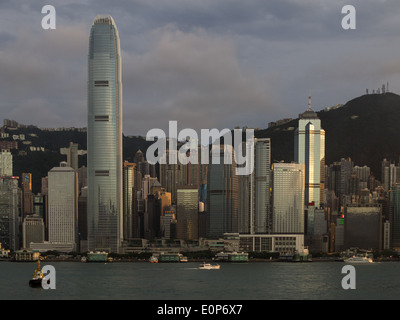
(366,129)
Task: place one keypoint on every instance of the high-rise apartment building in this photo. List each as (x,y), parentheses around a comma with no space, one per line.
(309,149)
(104,137)
(63,205)
(72,155)
(288,198)
(172,175)
(6,163)
(9,213)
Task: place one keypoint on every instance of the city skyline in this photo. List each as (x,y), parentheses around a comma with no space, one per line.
(294,191)
(268,57)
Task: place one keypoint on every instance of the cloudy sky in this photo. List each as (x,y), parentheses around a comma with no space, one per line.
(204,63)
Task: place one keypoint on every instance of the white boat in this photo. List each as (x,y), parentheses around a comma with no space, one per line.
(208,266)
(153,259)
(359,259)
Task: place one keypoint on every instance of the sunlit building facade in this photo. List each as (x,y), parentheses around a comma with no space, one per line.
(288,198)
(104,137)
(309,149)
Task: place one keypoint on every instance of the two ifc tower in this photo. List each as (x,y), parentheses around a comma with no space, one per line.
(104,140)
(104,137)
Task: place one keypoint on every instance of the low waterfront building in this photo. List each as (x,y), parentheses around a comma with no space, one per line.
(52,246)
(282,243)
(27,255)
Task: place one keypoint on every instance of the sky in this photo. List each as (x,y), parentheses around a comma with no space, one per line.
(203,63)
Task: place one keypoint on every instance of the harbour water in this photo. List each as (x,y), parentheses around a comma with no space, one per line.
(185,281)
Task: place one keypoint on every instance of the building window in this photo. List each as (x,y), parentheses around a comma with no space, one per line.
(101,83)
(103,173)
(101,118)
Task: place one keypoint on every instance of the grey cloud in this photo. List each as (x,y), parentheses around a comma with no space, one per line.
(210,63)
(193,78)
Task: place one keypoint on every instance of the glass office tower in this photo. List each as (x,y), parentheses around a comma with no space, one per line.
(288,198)
(222,193)
(309,149)
(262,166)
(104,137)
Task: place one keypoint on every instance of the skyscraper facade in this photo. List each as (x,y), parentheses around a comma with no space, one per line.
(187,212)
(309,149)
(129,172)
(9,212)
(104,137)
(262,164)
(6,163)
(395,215)
(222,197)
(288,198)
(63,205)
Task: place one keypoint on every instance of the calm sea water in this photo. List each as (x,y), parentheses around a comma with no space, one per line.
(178,281)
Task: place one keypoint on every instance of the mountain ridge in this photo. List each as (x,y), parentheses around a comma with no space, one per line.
(364,129)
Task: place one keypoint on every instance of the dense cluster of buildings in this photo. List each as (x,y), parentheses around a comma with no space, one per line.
(118,206)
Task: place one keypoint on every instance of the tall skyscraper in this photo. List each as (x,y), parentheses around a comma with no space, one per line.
(27,193)
(222,193)
(63,205)
(288,198)
(104,137)
(309,149)
(129,173)
(9,212)
(395,215)
(187,212)
(254,191)
(262,172)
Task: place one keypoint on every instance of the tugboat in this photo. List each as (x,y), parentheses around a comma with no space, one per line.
(36,281)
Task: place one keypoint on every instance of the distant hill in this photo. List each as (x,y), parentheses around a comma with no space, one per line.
(366,129)
(39,163)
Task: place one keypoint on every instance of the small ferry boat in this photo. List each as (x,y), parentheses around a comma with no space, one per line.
(36,280)
(153,259)
(359,259)
(208,266)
